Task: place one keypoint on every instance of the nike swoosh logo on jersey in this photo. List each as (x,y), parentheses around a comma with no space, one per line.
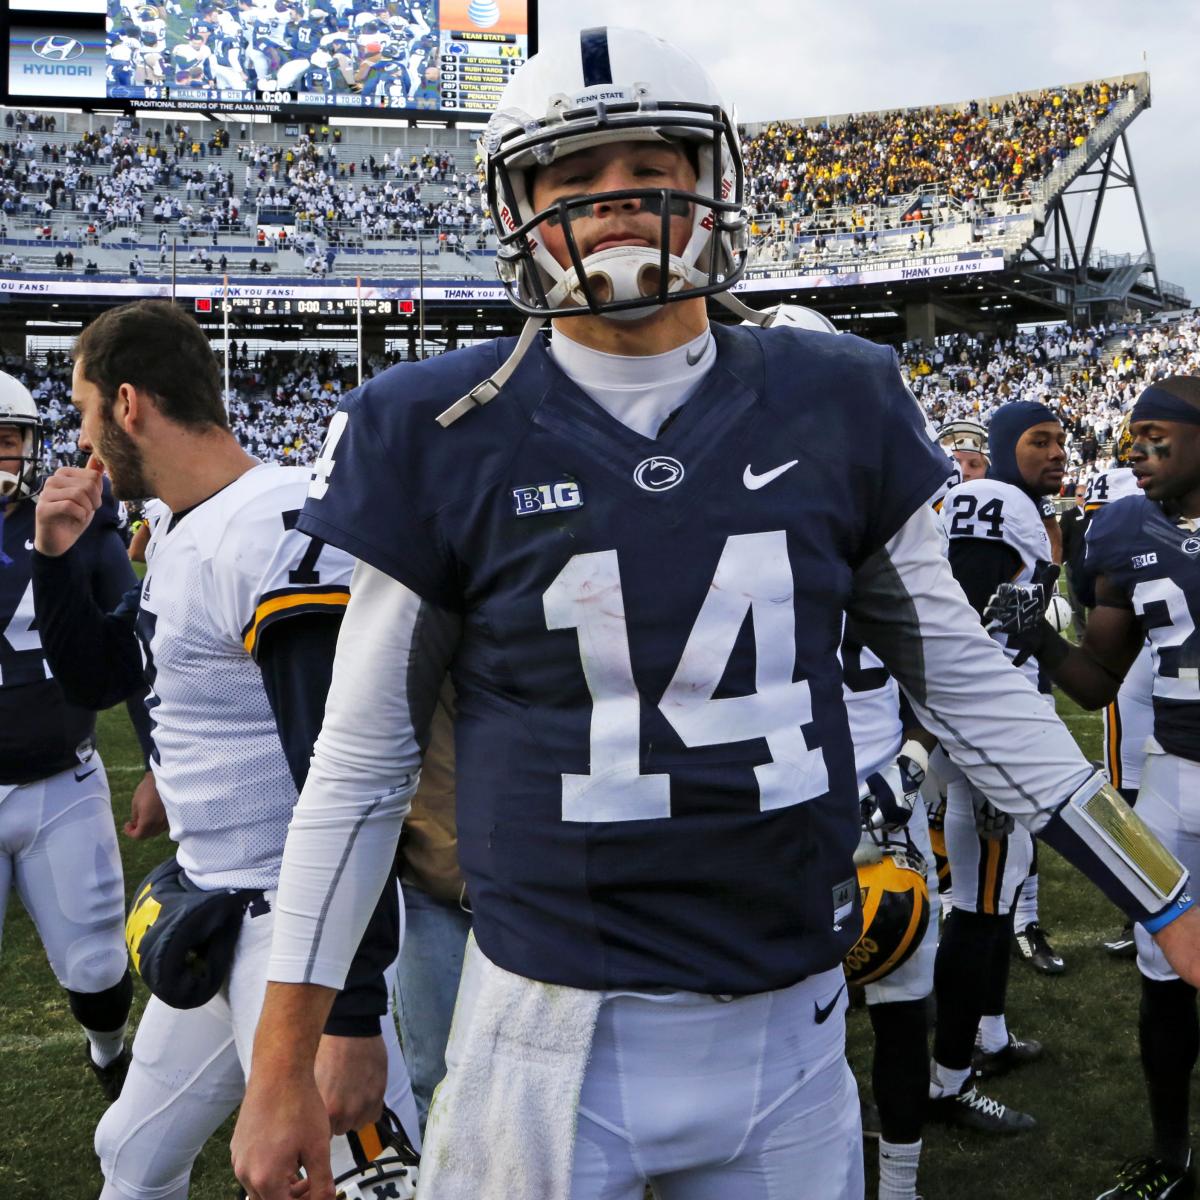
(754,482)
(80,778)
(691,362)
(821,1014)
(29,545)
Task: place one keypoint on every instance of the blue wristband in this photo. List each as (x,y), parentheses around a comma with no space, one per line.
(1174,910)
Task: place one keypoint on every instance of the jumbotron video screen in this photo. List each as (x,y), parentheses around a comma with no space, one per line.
(450,57)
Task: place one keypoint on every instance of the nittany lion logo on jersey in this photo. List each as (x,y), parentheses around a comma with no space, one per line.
(657,474)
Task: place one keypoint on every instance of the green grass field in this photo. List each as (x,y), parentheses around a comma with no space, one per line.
(1087,1094)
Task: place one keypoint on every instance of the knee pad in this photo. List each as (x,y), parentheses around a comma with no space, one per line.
(95,964)
(103,1011)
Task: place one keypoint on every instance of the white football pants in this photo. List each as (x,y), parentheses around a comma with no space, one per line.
(985,872)
(746,1099)
(913,980)
(188,1074)
(1169,803)
(58,846)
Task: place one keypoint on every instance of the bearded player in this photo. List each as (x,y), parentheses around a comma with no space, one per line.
(233,629)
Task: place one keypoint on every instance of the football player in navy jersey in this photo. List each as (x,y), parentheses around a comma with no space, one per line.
(58,843)
(1143,560)
(634,545)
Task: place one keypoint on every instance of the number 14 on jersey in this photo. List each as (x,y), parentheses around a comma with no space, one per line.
(753,575)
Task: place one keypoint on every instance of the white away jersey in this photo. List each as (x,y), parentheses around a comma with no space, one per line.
(990,510)
(214,581)
(1109,486)
(872,707)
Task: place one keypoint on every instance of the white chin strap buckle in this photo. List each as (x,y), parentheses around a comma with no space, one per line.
(622,273)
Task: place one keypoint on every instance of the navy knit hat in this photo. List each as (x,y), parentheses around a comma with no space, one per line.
(1005,428)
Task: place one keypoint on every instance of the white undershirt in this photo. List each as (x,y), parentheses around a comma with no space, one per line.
(639,391)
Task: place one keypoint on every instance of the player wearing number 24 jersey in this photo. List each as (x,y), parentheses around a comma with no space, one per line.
(634,546)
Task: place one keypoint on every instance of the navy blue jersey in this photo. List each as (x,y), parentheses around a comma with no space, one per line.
(656,785)
(384,74)
(1155,563)
(39,731)
(318,79)
(301,39)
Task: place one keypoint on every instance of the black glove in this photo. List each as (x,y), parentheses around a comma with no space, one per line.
(1017,611)
(990,822)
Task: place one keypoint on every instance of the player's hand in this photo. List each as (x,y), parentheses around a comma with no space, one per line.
(351,1074)
(885,803)
(1015,610)
(147,816)
(990,822)
(282,1126)
(891,794)
(65,507)
(1180,942)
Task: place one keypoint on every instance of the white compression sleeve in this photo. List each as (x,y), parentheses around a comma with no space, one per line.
(908,607)
(391,657)
(995,726)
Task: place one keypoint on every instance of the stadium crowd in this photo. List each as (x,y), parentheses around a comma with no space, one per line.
(127,175)
(281,401)
(980,150)
(1089,376)
(380,196)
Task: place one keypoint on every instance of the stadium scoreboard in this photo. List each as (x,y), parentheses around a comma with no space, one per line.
(307,59)
(260,306)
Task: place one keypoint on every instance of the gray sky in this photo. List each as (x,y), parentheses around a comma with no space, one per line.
(810,57)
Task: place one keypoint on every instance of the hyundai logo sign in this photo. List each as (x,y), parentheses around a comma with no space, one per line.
(57,48)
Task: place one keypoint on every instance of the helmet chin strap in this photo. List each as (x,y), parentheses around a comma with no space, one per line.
(754,316)
(10,486)
(623,273)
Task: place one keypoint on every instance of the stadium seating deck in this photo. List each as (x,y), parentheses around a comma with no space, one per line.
(829,193)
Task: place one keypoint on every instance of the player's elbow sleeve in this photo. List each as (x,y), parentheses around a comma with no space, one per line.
(1099,833)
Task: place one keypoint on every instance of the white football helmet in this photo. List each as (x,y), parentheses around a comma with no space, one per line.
(964,435)
(375,1162)
(620,85)
(17,408)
